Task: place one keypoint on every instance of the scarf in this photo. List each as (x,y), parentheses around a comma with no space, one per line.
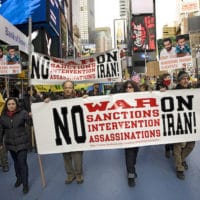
(10,113)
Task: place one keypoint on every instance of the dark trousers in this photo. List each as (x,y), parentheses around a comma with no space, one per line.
(131,156)
(169,147)
(3,157)
(21,166)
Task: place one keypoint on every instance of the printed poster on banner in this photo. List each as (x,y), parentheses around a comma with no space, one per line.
(103,67)
(117,121)
(9,60)
(174,53)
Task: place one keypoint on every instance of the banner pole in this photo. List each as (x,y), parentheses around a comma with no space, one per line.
(29,83)
(41,171)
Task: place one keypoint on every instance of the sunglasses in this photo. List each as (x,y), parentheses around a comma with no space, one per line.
(129,87)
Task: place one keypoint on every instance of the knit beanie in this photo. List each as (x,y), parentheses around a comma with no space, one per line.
(181,75)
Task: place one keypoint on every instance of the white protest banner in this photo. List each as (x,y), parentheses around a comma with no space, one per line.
(10,69)
(175,63)
(99,68)
(117,121)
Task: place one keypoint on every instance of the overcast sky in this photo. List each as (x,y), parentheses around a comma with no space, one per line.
(108,10)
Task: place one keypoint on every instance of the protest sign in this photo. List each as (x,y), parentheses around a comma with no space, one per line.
(117,121)
(99,68)
(9,60)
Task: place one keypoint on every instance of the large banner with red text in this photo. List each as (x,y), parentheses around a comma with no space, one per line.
(101,67)
(117,121)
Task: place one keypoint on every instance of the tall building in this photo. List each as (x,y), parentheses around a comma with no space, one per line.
(124,7)
(87,21)
(103,39)
(76,26)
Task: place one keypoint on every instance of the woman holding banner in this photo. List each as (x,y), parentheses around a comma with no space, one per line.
(131,153)
(13,126)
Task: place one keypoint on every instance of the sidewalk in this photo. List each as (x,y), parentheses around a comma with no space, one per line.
(105,178)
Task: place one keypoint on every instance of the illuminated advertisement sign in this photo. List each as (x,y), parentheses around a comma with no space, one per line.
(143,33)
(54,15)
(17,12)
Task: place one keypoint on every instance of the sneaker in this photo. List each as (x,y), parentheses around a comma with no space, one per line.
(25,189)
(18,183)
(79,179)
(131,179)
(131,182)
(185,165)
(5,168)
(167,154)
(69,179)
(180,175)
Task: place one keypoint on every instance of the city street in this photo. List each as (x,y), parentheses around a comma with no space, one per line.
(105,177)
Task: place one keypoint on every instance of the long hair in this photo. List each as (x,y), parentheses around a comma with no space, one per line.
(5,109)
(133,84)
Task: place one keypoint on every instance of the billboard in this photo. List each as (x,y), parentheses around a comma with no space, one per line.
(18,12)
(11,35)
(142,7)
(187,6)
(9,60)
(143,33)
(120,32)
(175,53)
(53,13)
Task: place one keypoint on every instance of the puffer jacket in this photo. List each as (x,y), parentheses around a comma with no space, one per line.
(14,131)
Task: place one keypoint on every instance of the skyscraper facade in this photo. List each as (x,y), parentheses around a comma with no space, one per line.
(87,21)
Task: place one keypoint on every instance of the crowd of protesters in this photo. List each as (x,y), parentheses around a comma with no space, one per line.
(17,134)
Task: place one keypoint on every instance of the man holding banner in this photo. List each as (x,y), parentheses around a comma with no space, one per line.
(182,150)
(72,160)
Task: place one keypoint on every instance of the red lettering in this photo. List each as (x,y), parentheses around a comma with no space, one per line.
(94,108)
(146,101)
(85,61)
(120,103)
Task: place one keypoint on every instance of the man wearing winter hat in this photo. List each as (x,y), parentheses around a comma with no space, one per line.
(182,150)
(183,80)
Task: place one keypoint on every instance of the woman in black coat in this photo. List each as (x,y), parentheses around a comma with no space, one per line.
(131,153)
(13,128)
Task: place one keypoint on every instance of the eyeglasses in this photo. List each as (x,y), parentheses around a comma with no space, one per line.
(129,87)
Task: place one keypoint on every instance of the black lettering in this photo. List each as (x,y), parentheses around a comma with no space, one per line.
(78,110)
(59,126)
(181,102)
(167,101)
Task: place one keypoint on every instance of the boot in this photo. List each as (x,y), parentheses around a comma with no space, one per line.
(25,189)
(18,182)
(79,179)
(131,179)
(180,175)
(69,179)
